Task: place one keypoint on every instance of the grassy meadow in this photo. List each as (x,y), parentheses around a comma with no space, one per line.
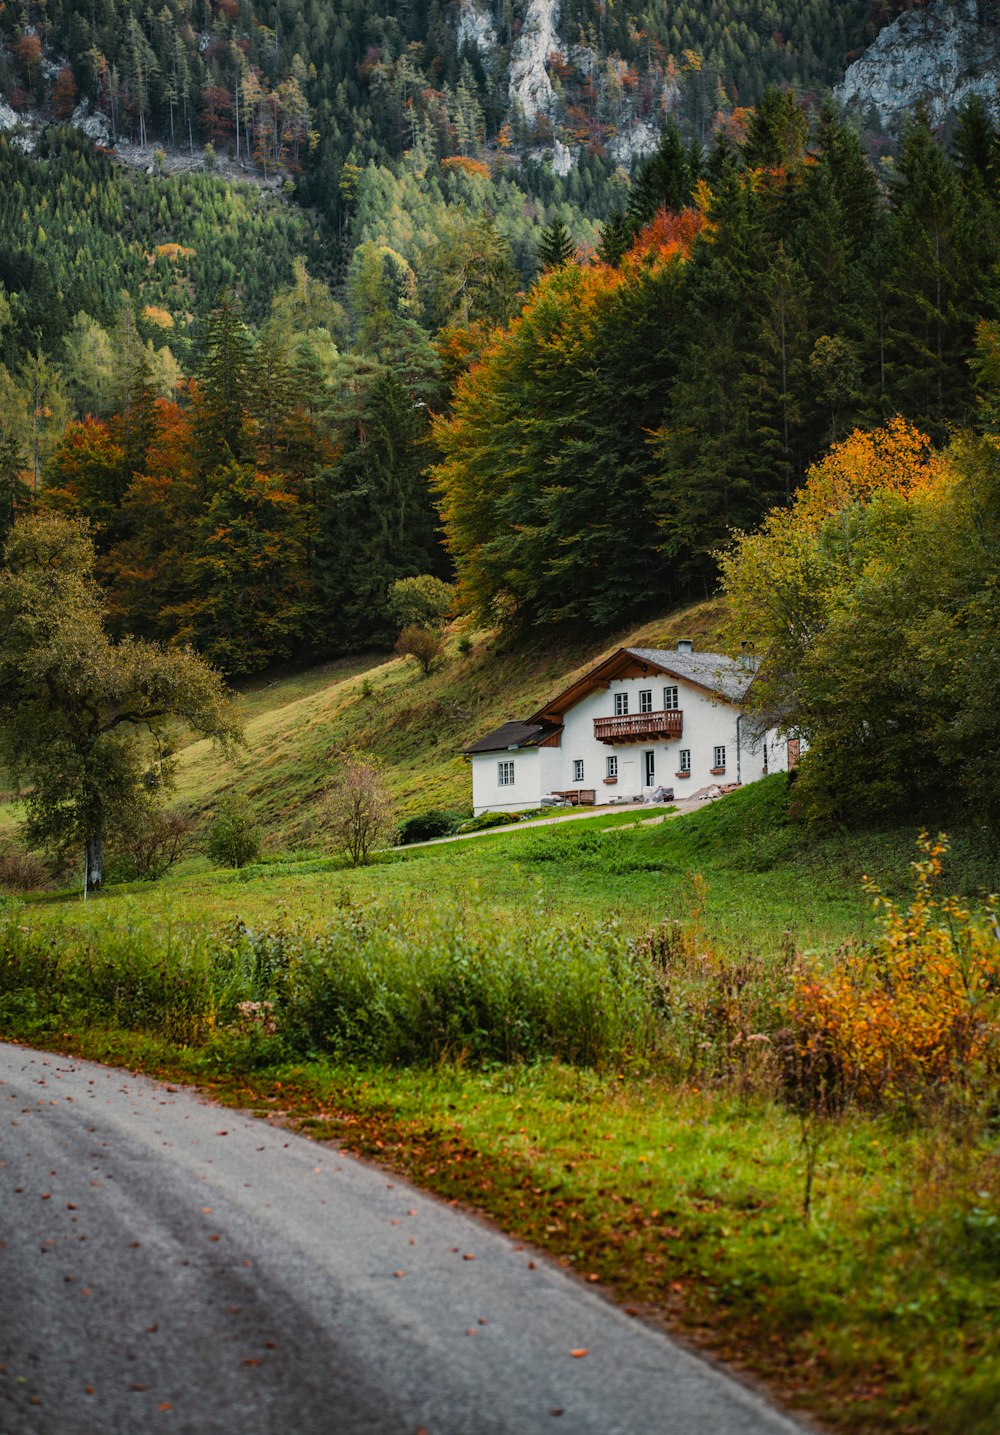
(596,1031)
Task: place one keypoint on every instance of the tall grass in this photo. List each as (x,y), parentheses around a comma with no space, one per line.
(376,983)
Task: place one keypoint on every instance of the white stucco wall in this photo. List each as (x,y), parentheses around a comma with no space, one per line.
(707,722)
(536,771)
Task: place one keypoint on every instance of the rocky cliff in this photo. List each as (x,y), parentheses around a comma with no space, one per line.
(937,56)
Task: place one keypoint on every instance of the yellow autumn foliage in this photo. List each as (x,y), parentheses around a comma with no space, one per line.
(917,1010)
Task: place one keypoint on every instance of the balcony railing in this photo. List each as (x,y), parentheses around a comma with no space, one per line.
(640,727)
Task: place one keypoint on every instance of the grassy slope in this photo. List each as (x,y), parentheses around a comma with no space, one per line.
(416,726)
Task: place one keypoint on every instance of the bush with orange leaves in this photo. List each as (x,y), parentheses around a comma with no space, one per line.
(916,1012)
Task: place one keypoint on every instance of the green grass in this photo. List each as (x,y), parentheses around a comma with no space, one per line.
(738,868)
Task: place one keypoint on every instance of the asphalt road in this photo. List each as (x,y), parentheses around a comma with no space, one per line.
(170,1265)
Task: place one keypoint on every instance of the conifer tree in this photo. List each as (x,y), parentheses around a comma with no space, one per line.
(226,375)
(664,181)
(556,246)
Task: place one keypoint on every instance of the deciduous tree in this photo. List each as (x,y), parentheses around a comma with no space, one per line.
(85,723)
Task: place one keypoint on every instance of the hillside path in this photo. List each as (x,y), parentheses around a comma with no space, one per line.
(170,1265)
(660,811)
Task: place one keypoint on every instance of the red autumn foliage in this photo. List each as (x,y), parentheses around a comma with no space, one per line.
(668,235)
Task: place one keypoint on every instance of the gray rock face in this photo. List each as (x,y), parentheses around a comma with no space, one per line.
(476,28)
(938,56)
(530,86)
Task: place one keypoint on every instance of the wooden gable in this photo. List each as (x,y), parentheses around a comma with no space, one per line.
(622,664)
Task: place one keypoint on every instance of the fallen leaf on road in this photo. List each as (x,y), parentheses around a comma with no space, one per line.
(580,1353)
(164,1405)
(468,1258)
(137,1385)
(399,1274)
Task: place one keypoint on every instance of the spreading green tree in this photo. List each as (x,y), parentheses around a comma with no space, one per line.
(87,725)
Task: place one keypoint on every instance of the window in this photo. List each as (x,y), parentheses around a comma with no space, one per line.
(684,760)
(670,702)
(720,758)
(646,700)
(505,774)
(612,762)
(621,704)
(578,769)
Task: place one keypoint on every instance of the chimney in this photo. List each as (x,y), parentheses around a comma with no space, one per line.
(685,645)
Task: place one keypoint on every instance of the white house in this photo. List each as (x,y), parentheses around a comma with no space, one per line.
(644,717)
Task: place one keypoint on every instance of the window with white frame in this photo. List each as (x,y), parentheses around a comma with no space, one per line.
(720,757)
(646,700)
(621,704)
(612,763)
(671,701)
(505,773)
(578,769)
(684,760)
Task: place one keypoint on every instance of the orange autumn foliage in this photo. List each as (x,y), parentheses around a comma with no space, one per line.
(896,458)
(917,1010)
(466,165)
(666,236)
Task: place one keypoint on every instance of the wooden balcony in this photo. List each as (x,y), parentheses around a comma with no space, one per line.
(640,727)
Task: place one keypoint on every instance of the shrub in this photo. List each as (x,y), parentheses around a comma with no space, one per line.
(424,826)
(234,838)
(424,644)
(147,842)
(358,812)
(424,600)
(918,1010)
(21,871)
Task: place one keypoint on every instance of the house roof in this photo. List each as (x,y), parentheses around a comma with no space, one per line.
(727,678)
(513,735)
(714,673)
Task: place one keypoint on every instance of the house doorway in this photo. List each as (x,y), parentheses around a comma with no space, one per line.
(648,769)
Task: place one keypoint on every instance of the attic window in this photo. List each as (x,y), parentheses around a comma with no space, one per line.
(621,704)
(670,700)
(646,700)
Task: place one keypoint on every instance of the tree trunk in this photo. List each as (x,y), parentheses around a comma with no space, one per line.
(95,862)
